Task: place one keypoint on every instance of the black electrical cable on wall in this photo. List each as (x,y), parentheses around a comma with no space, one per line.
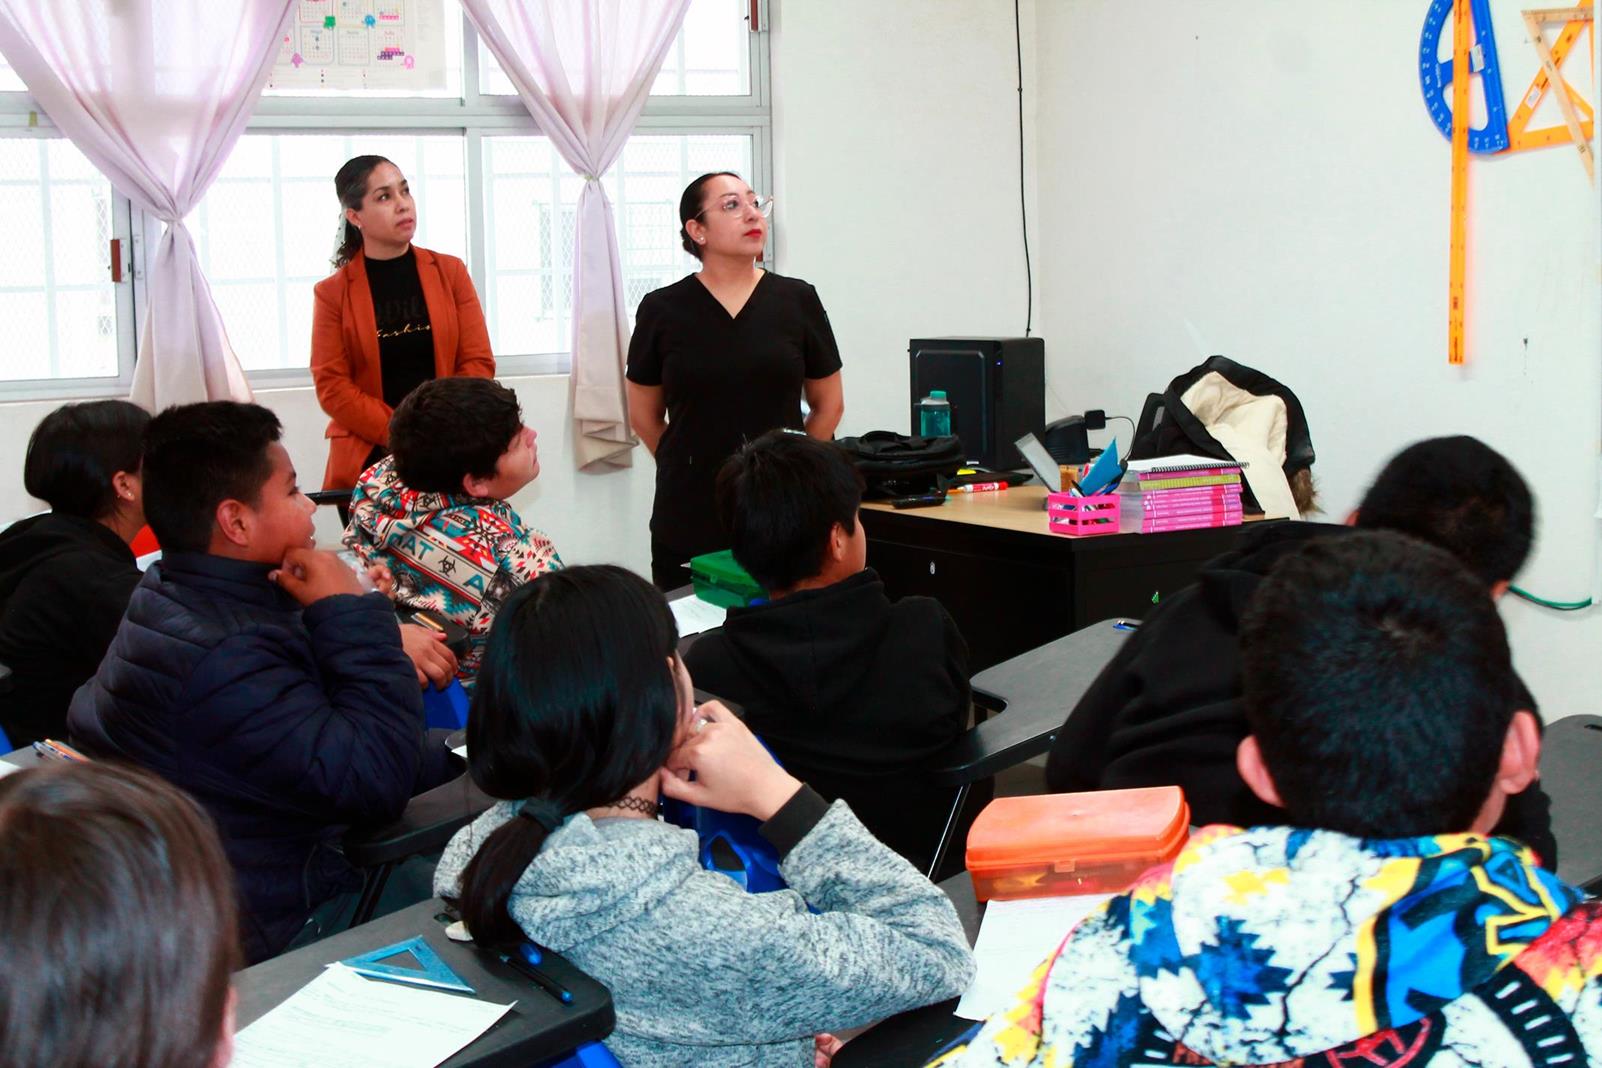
(1023,206)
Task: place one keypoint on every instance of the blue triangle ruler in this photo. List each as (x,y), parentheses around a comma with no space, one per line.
(432,971)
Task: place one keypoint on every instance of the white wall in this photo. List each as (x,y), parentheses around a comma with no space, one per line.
(1236,176)
(896,158)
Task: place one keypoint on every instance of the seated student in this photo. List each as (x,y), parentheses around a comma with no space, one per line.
(118,913)
(583,718)
(253,672)
(66,575)
(850,690)
(1378,924)
(1166,709)
(437,511)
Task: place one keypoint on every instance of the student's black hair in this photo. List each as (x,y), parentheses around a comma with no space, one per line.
(1378,684)
(76,450)
(779,497)
(1460,494)
(690,207)
(449,428)
(196,457)
(575,706)
(119,916)
(350,184)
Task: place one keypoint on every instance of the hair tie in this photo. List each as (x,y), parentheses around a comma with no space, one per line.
(543,812)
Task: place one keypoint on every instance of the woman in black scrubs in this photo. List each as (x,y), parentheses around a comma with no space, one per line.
(718,358)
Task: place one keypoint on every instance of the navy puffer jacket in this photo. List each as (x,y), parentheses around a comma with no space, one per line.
(287,725)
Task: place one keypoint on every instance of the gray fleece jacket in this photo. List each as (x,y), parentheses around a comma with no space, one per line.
(703,973)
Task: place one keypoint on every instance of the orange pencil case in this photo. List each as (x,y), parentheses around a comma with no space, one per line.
(1054,845)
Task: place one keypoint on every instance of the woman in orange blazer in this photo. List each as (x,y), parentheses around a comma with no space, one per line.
(390,317)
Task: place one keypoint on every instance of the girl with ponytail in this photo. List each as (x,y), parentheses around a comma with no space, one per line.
(392,316)
(584,717)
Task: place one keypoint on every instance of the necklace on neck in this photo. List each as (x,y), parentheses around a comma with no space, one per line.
(633,804)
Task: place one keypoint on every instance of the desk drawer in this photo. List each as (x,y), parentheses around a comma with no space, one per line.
(1002,607)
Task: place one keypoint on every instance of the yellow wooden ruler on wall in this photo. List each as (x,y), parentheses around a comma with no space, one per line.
(1473,54)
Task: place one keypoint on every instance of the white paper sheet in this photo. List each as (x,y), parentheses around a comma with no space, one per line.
(340,1018)
(7,768)
(1014,938)
(694,615)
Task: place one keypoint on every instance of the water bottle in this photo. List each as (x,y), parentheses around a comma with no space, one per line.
(934,415)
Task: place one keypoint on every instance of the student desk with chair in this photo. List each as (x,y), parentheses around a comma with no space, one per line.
(535,1029)
(1012,585)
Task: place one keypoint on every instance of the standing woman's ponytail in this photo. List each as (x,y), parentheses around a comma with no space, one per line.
(575,706)
(350,184)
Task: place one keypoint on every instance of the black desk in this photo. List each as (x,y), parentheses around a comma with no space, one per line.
(1010,584)
(913,1038)
(536,1028)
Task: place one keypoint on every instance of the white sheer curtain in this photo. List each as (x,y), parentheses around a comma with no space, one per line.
(584,70)
(155,93)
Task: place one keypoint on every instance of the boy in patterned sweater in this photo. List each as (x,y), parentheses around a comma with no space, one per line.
(1381,924)
(437,513)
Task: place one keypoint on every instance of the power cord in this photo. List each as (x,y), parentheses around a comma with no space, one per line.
(1023,206)
(1559,606)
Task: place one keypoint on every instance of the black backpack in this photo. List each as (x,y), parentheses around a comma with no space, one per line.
(901,465)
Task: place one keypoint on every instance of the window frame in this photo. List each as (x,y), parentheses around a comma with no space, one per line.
(19,118)
(473,115)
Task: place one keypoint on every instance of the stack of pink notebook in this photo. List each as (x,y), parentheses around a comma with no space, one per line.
(1179,493)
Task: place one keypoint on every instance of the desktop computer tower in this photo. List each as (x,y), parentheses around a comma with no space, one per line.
(996,386)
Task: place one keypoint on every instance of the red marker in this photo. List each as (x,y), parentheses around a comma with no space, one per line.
(978,487)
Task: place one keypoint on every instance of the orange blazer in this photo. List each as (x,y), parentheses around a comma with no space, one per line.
(344,356)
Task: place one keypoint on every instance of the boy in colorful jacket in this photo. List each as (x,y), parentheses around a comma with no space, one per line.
(437,512)
(1379,925)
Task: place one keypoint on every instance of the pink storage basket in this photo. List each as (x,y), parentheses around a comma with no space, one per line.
(1082,517)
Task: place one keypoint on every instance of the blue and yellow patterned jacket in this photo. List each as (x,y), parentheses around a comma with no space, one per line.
(1277,946)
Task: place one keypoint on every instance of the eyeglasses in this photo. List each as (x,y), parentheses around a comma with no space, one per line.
(735,204)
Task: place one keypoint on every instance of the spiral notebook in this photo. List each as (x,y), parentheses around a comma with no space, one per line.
(1163,465)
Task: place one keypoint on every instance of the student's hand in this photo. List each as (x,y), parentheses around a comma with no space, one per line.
(825,1046)
(309,575)
(733,773)
(383,579)
(430,656)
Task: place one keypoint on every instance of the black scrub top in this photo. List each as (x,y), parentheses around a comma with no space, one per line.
(726,381)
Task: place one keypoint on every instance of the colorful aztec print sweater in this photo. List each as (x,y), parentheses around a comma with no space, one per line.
(1277,946)
(455,555)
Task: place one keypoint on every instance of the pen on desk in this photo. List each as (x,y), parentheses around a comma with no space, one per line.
(54,750)
(978,487)
(524,963)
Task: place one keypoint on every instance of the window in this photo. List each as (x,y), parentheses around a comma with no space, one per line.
(533,198)
(57,298)
(269,224)
(489,189)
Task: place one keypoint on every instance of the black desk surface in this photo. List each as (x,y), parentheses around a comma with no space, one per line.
(913,1038)
(537,1027)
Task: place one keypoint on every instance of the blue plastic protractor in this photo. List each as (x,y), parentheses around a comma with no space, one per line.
(431,970)
(1435,74)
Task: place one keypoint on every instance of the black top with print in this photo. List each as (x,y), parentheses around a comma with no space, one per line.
(405,338)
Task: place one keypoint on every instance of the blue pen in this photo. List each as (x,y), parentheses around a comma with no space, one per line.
(524,963)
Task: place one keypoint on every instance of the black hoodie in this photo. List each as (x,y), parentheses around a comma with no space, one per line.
(853,694)
(1167,710)
(64,585)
